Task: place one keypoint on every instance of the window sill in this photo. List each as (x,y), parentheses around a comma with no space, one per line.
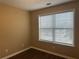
(59,43)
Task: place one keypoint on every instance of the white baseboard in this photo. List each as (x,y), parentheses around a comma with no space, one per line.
(67,57)
(6,57)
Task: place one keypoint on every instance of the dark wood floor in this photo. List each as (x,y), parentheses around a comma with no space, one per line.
(35,54)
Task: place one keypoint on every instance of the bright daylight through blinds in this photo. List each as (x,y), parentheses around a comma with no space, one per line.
(57,28)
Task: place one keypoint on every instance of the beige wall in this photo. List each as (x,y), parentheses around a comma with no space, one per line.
(61,49)
(14,29)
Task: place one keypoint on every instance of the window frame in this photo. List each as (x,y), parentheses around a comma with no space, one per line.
(54,42)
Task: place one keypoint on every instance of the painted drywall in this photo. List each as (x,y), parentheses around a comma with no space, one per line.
(14,30)
(61,49)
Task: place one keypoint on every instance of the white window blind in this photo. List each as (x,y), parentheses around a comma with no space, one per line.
(57,28)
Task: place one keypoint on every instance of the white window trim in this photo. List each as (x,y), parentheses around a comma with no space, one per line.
(54,42)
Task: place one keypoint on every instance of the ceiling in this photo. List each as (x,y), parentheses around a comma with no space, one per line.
(33,4)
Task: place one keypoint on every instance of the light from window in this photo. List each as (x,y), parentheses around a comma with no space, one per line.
(57,28)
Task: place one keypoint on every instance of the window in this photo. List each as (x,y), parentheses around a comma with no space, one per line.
(57,28)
